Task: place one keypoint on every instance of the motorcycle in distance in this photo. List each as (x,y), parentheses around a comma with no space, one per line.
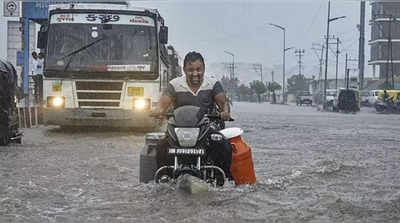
(190,134)
(388,105)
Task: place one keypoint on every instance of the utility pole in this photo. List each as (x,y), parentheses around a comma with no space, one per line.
(347,70)
(346,73)
(321,61)
(273,92)
(337,41)
(326,53)
(233,64)
(258,68)
(361,47)
(299,53)
(389,51)
(337,62)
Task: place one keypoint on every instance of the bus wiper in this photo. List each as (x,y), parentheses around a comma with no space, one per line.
(79,50)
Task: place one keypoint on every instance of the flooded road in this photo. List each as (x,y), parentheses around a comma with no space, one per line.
(311,166)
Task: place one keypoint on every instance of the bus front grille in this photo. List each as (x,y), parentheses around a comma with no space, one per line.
(99,94)
(98,86)
(98,104)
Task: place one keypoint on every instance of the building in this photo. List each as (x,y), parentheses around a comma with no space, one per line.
(385,39)
(11,40)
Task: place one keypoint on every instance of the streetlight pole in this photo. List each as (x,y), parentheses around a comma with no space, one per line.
(326,54)
(284,58)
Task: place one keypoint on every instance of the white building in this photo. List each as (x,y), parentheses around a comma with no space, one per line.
(11,39)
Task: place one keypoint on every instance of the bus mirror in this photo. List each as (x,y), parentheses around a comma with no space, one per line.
(42,40)
(164,34)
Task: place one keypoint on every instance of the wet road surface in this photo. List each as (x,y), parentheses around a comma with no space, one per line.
(311,166)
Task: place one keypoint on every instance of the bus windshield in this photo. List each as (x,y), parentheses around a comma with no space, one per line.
(90,43)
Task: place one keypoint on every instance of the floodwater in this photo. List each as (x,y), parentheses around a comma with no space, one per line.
(311,166)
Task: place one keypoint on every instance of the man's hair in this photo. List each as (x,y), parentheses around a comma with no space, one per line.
(191,57)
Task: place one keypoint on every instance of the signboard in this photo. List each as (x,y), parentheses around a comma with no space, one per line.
(11,8)
(94,18)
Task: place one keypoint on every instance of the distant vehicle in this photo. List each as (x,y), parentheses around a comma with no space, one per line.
(304,97)
(373,97)
(364,98)
(8,110)
(331,99)
(348,100)
(392,94)
(106,64)
(390,104)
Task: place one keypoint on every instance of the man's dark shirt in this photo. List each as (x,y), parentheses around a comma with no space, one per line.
(181,94)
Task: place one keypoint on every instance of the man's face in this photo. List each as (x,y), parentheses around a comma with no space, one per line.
(194,73)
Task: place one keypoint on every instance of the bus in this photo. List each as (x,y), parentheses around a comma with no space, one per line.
(106,64)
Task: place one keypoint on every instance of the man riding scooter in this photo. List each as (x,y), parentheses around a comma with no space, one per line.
(198,90)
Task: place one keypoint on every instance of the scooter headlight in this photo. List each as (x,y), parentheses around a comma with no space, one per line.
(187,137)
(55,101)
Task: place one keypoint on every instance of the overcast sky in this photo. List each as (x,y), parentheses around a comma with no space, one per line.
(241,27)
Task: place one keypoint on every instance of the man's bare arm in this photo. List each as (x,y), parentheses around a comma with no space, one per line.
(165,102)
(220,99)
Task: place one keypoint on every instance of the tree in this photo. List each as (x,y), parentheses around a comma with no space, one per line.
(297,83)
(259,88)
(230,85)
(272,87)
(243,92)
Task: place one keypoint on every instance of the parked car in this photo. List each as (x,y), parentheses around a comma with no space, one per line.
(331,99)
(373,97)
(304,97)
(364,98)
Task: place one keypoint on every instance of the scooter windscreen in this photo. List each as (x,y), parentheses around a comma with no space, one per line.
(187,116)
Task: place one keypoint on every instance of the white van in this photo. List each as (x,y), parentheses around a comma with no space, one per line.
(373,97)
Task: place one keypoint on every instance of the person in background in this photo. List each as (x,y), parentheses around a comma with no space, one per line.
(34,63)
(40,63)
(37,72)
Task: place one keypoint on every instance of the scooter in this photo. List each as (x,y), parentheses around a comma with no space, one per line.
(387,106)
(191,134)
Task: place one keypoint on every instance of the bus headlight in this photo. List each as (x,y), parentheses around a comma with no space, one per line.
(141,104)
(55,101)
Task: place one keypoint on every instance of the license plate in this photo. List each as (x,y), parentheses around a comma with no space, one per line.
(98,114)
(185,151)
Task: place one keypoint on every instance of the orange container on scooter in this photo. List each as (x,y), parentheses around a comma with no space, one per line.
(242,168)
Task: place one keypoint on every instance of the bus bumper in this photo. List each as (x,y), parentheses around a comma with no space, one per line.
(99,117)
